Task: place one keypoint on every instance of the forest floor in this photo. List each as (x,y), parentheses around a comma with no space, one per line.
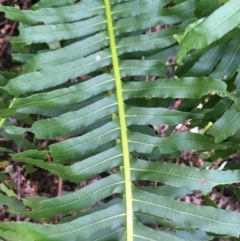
(40,183)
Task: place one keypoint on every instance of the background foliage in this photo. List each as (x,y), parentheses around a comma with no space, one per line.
(97,80)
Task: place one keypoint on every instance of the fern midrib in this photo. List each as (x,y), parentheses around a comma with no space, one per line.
(124,139)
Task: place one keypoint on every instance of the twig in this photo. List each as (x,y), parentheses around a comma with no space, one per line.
(18,188)
(60,183)
(6,42)
(226,199)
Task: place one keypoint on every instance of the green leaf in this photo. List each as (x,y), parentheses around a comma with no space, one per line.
(14,205)
(113,218)
(182,176)
(80,171)
(228,64)
(5,189)
(219,23)
(182,141)
(207,61)
(201,9)
(54,15)
(78,200)
(168,191)
(64,96)
(57,75)
(175,88)
(225,126)
(208,218)
(196,235)
(46,3)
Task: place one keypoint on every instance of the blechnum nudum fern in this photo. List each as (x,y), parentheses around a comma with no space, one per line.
(103,120)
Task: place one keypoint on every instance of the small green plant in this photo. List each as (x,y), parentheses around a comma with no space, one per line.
(105,117)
